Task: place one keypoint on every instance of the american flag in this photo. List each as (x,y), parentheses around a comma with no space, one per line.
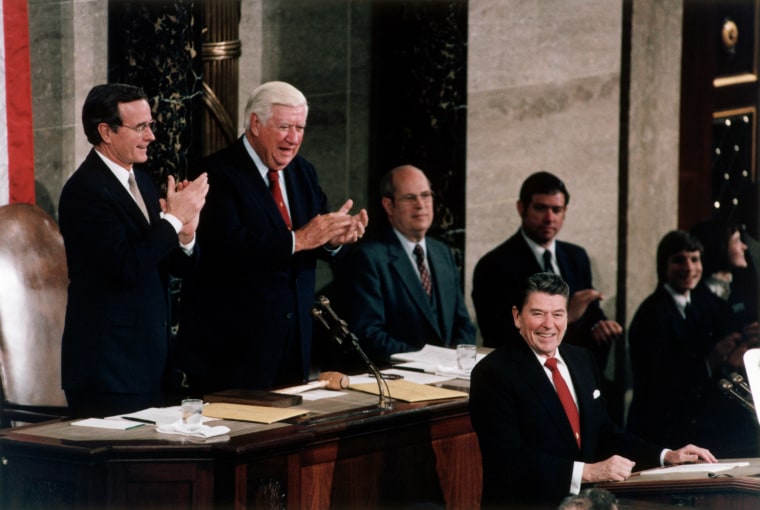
(16,136)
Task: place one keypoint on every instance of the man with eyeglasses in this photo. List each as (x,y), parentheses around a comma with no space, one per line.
(402,287)
(122,242)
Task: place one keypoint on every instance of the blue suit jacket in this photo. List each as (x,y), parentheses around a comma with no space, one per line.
(388,309)
(526,442)
(116,333)
(501,273)
(252,295)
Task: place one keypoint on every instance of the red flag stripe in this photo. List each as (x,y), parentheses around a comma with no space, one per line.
(18,99)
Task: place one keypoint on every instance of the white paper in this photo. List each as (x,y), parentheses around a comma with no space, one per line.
(102,423)
(433,359)
(695,468)
(320,394)
(752,367)
(203,431)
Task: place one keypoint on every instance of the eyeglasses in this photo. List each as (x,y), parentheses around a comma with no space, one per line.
(411,198)
(140,128)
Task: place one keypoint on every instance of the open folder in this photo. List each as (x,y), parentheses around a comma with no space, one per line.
(410,391)
(243,412)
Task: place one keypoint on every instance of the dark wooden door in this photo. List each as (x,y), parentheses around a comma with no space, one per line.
(719,100)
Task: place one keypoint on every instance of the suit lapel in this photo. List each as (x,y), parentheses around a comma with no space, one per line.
(528,255)
(586,392)
(259,189)
(401,265)
(536,379)
(148,192)
(439,268)
(118,193)
(295,190)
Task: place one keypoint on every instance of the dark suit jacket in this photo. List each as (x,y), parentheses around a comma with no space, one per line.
(526,442)
(388,309)
(676,398)
(116,334)
(248,315)
(501,273)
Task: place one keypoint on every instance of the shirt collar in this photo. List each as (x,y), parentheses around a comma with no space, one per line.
(542,359)
(409,245)
(260,166)
(121,173)
(681,300)
(538,250)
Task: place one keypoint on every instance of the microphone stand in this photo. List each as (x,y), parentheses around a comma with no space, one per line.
(339,331)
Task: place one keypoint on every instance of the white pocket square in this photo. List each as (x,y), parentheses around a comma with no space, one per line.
(597,393)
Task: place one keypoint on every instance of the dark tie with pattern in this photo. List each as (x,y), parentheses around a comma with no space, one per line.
(571,410)
(548,261)
(274,187)
(137,195)
(419,254)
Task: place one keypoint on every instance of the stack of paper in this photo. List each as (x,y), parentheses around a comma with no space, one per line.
(433,359)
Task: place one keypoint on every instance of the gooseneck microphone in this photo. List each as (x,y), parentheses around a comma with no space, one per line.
(338,328)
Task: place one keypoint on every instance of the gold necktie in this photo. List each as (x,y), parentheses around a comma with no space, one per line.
(137,195)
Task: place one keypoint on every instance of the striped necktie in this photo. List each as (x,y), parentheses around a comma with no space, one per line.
(419,254)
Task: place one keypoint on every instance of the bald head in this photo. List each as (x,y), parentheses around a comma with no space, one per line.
(408,201)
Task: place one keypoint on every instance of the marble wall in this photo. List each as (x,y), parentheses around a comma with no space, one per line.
(68,55)
(650,168)
(544,94)
(156,45)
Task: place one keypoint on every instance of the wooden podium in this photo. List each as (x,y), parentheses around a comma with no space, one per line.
(735,489)
(334,457)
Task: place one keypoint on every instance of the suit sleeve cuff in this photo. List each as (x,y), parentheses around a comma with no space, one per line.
(575,481)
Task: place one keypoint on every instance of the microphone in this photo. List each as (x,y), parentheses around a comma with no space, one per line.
(738,379)
(738,390)
(324,313)
(338,328)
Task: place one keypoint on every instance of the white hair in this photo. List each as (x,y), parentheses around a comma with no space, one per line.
(272,93)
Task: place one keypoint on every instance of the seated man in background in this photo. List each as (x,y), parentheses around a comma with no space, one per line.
(500,273)
(682,342)
(540,418)
(402,288)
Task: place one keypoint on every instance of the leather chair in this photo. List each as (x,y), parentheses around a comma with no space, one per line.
(33,293)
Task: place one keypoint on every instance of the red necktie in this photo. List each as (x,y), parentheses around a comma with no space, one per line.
(571,410)
(424,274)
(274,187)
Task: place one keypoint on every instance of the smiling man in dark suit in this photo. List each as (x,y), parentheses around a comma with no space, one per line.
(247,319)
(121,244)
(403,287)
(543,434)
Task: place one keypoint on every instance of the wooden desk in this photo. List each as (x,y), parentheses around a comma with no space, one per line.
(413,453)
(735,489)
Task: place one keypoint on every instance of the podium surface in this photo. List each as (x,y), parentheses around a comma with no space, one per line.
(736,489)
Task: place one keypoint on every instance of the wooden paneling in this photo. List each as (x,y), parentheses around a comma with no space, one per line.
(719,83)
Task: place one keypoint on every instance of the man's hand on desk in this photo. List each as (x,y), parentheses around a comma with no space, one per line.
(615,469)
(689,454)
